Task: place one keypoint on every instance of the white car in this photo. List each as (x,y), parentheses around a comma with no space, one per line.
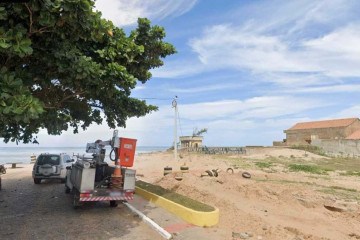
(51,166)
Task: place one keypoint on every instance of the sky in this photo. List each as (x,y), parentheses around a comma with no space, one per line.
(245,70)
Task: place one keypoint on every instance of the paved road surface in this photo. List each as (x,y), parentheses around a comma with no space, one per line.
(44,211)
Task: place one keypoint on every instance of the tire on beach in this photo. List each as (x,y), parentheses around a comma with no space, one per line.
(215,173)
(246,175)
(230,170)
(167,170)
(209,173)
(184,169)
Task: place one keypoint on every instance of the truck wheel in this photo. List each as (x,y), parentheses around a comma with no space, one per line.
(113,203)
(37,180)
(76,200)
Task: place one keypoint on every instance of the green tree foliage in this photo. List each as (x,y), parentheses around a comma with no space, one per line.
(62,65)
(200,132)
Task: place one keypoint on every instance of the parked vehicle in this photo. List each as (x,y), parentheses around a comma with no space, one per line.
(2,169)
(91,179)
(51,166)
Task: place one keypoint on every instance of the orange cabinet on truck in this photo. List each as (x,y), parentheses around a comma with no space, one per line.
(127,152)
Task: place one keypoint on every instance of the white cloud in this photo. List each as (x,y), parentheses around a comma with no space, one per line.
(226,46)
(175,69)
(353,111)
(125,13)
(335,54)
(253,108)
(207,88)
(289,43)
(349,88)
(139,87)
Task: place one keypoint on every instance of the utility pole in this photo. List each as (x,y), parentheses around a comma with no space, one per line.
(174,104)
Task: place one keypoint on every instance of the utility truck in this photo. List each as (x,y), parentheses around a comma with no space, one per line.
(92,179)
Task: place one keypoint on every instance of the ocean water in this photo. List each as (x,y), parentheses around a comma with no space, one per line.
(23,154)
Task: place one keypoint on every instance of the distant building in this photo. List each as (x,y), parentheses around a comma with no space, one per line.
(191,141)
(303,133)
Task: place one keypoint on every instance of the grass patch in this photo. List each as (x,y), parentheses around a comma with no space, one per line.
(307,168)
(345,193)
(351,173)
(175,197)
(343,188)
(323,165)
(263,164)
(320,177)
(351,165)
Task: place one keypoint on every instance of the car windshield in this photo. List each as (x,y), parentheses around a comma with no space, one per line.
(48,159)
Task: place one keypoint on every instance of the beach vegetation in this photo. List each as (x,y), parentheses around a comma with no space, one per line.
(175,197)
(307,168)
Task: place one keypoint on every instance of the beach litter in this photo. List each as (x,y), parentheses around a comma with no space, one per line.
(246,175)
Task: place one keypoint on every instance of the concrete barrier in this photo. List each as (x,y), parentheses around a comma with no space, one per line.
(198,218)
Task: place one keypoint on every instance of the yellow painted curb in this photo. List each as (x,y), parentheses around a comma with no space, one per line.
(198,218)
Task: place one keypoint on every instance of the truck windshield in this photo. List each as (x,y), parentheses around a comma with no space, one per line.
(48,159)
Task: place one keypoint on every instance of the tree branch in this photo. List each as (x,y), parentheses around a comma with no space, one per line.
(31,32)
(30,17)
(75,94)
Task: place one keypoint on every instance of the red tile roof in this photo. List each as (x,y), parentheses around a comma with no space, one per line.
(324,124)
(354,136)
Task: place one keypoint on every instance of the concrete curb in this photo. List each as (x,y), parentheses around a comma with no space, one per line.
(150,222)
(198,218)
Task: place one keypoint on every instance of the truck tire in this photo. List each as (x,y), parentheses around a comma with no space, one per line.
(67,189)
(76,200)
(113,203)
(37,180)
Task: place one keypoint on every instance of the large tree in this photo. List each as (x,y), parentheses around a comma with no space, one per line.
(62,65)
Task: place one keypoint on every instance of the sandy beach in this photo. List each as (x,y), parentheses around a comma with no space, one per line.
(274,204)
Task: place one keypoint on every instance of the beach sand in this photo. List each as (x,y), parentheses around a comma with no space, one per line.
(273,204)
